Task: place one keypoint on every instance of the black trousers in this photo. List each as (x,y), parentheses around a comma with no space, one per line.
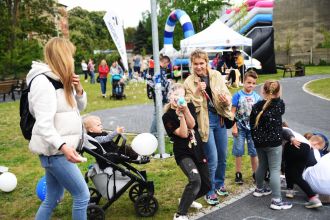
(296,160)
(198,185)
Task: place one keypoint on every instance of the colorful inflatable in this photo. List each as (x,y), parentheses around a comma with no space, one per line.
(184,19)
(256,24)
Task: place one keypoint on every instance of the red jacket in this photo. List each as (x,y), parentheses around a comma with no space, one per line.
(103,71)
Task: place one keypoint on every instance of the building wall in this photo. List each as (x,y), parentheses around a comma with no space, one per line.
(297,25)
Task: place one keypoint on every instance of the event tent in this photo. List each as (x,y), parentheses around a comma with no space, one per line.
(216,35)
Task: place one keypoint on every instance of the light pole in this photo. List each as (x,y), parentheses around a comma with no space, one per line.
(158,87)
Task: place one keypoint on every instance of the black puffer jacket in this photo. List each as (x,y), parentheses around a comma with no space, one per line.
(268,133)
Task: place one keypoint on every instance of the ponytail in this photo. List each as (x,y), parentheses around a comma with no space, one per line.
(270,88)
(264,107)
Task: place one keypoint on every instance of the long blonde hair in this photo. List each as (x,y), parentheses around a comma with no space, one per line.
(58,55)
(271,88)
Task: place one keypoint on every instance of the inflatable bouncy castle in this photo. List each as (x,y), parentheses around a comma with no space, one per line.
(254,19)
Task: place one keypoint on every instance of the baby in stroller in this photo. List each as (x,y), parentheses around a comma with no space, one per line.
(94,128)
(112,175)
(117,81)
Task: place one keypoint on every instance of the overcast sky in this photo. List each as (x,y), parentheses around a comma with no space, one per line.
(129,10)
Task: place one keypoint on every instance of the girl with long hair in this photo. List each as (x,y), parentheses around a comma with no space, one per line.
(58,131)
(266,131)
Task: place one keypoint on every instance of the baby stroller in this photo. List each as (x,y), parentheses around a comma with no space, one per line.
(118,89)
(112,175)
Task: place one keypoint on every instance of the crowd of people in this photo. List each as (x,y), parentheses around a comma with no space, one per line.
(196,116)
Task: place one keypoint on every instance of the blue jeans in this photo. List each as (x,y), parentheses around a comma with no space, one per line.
(270,157)
(62,174)
(103,82)
(92,74)
(216,152)
(239,142)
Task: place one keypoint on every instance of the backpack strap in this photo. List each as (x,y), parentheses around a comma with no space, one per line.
(56,84)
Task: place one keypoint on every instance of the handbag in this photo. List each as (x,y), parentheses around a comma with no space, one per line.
(98,79)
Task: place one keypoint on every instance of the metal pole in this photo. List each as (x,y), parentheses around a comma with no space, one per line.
(158,89)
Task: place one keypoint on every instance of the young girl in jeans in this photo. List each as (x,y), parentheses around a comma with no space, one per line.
(180,123)
(266,130)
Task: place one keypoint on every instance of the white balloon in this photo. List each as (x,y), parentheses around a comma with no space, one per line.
(144,144)
(8,182)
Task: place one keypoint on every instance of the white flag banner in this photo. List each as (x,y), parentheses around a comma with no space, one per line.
(116,29)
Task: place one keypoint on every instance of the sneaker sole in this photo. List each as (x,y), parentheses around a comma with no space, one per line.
(225,194)
(275,207)
(261,194)
(317,205)
(289,196)
(239,182)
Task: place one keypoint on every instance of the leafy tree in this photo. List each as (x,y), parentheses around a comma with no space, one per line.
(88,32)
(22,22)
(139,39)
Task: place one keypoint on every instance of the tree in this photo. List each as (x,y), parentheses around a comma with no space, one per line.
(20,20)
(88,32)
(139,39)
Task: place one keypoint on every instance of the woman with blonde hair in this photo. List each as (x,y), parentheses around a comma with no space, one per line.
(55,99)
(206,89)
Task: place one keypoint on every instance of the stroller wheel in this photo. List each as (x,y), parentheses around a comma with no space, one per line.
(146,205)
(95,196)
(95,212)
(135,191)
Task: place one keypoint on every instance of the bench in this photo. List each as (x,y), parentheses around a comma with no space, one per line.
(289,69)
(297,70)
(7,88)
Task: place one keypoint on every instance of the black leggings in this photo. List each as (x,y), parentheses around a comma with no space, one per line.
(296,160)
(198,185)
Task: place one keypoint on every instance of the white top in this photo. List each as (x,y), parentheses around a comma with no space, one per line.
(84,66)
(318,176)
(56,121)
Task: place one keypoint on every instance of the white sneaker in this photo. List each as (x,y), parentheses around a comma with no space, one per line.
(194,205)
(180,217)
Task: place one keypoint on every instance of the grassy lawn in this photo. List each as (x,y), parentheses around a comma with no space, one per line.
(320,87)
(169,181)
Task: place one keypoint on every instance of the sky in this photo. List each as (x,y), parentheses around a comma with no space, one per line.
(129,10)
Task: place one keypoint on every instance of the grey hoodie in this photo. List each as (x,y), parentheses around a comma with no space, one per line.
(56,121)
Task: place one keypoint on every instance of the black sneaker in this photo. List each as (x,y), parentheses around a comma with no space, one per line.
(238,178)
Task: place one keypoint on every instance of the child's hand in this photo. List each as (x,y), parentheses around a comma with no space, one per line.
(120,130)
(234,131)
(295,142)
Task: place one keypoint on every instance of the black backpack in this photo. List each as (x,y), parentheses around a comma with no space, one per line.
(27,120)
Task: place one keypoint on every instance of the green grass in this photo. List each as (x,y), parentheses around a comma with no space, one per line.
(169,181)
(320,87)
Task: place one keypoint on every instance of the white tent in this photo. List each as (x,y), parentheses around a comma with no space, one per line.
(216,35)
